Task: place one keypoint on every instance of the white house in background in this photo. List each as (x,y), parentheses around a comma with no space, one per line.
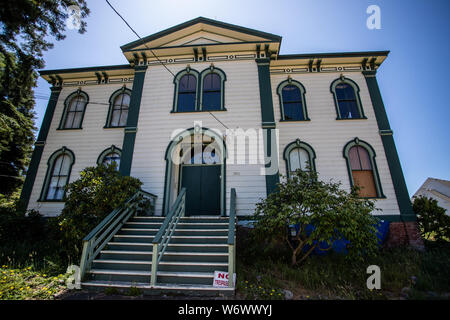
(200,79)
(437,189)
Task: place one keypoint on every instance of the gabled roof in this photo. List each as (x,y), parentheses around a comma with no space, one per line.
(233,32)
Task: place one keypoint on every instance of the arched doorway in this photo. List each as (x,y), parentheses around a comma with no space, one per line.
(195,160)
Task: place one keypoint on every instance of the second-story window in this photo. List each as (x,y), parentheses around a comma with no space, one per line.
(346,99)
(292,101)
(118,109)
(74,109)
(187,93)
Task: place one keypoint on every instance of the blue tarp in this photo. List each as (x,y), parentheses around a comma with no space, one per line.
(340,245)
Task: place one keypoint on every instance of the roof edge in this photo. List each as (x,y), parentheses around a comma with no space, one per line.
(189,23)
(333,55)
(85,69)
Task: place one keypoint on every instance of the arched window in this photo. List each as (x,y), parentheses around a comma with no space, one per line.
(292,101)
(118,110)
(74,108)
(212,97)
(362,169)
(185,91)
(110,155)
(58,174)
(299,155)
(347,100)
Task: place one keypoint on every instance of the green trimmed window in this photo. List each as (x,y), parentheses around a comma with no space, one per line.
(347,100)
(212,89)
(299,155)
(74,109)
(186,91)
(362,169)
(110,155)
(199,91)
(58,174)
(292,101)
(119,103)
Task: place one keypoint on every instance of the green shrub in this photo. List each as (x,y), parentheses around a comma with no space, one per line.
(88,201)
(26,238)
(335,214)
(432,220)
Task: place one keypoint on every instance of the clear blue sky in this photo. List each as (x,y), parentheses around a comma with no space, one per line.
(414,80)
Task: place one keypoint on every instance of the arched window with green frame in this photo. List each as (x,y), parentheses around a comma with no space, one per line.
(346,99)
(186,91)
(119,103)
(74,109)
(362,169)
(110,155)
(58,174)
(212,97)
(299,155)
(291,94)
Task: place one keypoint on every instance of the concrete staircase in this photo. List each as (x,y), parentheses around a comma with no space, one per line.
(197,248)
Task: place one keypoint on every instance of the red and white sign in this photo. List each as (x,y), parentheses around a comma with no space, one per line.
(221,279)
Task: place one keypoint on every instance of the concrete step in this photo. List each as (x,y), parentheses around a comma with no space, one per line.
(191,290)
(126,255)
(185,278)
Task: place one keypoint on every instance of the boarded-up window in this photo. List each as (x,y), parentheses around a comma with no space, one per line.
(362,171)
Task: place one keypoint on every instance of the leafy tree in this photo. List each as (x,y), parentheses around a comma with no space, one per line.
(97,192)
(432,220)
(25,25)
(324,212)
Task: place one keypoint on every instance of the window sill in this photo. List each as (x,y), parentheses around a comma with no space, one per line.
(116,127)
(304,120)
(373,198)
(199,111)
(64,129)
(363,118)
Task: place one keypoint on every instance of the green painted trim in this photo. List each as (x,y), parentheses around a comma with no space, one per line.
(280,87)
(66,109)
(358,98)
(268,119)
(50,165)
(39,148)
(113,96)
(372,155)
(299,144)
(195,46)
(86,69)
(332,55)
(168,173)
(203,20)
(272,180)
(176,82)
(132,121)
(105,152)
(223,78)
(395,168)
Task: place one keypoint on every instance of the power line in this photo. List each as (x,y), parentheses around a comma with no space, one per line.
(143,42)
(123,19)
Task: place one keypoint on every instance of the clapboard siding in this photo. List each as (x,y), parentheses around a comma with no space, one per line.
(156,125)
(328,136)
(86,144)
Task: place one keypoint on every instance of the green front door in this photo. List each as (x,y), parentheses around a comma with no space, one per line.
(202,183)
